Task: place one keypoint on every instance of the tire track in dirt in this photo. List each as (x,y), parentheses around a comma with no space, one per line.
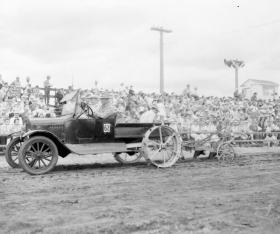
(203,196)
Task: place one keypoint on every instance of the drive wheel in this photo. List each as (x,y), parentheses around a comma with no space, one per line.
(38,155)
(128,158)
(161,146)
(11,152)
(225,152)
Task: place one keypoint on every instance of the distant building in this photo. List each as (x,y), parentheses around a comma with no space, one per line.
(264,89)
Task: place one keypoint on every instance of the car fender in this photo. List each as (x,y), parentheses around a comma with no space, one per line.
(62,149)
(15,134)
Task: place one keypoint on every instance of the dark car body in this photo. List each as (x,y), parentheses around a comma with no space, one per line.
(92,130)
(87,135)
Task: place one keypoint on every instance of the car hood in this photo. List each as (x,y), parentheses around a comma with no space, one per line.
(49,121)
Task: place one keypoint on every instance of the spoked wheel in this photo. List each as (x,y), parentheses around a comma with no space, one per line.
(38,155)
(225,152)
(11,152)
(128,158)
(161,146)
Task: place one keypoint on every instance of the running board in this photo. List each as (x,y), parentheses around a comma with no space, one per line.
(97,148)
(133,146)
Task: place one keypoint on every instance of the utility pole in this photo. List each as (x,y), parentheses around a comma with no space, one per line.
(161,30)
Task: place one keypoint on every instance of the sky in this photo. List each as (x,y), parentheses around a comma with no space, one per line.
(111,42)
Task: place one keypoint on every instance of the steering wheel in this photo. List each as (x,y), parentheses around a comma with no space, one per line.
(86,109)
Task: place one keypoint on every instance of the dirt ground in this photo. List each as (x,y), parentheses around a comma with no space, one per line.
(93,194)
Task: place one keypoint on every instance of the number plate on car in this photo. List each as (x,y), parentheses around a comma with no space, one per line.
(106,127)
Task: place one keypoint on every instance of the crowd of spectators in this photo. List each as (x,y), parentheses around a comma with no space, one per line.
(19,101)
(188,111)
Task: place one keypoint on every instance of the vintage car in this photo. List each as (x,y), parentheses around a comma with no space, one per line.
(36,150)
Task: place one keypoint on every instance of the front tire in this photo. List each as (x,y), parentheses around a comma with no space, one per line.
(38,155)
(12,151)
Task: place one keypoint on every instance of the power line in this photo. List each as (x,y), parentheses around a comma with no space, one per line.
(261,25)
(265,24)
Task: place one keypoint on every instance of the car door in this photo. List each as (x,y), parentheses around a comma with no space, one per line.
(84,130)
(80,131)
(105,128)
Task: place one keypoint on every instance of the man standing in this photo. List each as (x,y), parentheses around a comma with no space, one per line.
(47,88)
(28,84)
(187,91)
(58,96)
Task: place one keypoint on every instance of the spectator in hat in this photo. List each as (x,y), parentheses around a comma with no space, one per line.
(47,89)
(254,98)
(195,93)
(187,91)
(17,82)
(161,109)
(36,92)
(106,108)
(28,84)
(58,96)
(149,116)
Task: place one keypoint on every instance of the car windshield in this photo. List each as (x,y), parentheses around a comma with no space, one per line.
(83,106)
(68,103)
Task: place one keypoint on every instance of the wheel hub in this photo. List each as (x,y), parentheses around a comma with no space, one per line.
(38,155)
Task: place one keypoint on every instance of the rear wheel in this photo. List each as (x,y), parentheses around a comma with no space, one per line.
(128,158)
(11,152)
(225,152)
(161,146)
(188,148)
(38,155)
